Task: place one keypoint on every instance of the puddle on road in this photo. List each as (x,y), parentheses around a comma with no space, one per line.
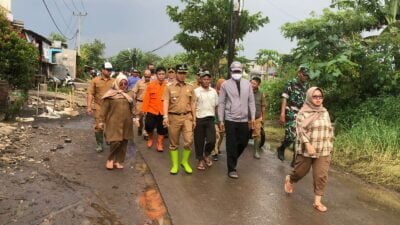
(151,202)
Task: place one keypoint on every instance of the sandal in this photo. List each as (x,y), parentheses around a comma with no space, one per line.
(118,166)
(288,185)
(208,161)
(201,166)
(320,207)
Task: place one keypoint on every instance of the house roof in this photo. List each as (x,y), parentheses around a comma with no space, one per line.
(39,36)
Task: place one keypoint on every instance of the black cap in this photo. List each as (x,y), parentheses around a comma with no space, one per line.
(304,70)
(170,69)
(205,73)
(181,68)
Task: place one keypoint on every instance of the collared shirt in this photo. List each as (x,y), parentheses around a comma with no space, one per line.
(98,86)
(139,89)
(206,101)
(295,94)
(132,81)
(152,100)
(319,135)
(260,102)
(180,97)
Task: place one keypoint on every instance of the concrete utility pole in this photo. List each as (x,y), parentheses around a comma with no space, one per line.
(78,37)
(234,19)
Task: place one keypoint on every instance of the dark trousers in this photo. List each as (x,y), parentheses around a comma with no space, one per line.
(154,121)
(237,137)
(204,137)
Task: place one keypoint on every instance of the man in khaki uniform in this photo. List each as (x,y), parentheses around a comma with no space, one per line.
(180,118)
(98,86)
(139,89)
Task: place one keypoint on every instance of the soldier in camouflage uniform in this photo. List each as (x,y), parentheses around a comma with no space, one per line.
(292,100)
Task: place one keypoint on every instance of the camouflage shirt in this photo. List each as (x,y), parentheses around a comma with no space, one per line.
(295,94)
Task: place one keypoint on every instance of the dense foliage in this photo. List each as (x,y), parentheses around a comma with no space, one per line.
(18,58)
(204,29)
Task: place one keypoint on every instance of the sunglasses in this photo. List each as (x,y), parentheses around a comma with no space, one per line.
(318,97)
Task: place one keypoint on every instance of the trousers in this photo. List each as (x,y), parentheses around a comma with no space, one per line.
(237,137)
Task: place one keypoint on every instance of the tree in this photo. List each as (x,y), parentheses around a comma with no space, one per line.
(92,54)
(57,37)
(18,58)
(349,67)
(134,58)
(204,29)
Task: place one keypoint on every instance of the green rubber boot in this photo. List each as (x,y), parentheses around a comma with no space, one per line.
(174,154)
(185,161)
(99,140)
(257,149)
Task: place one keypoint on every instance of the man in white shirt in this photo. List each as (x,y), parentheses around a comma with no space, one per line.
(204,132)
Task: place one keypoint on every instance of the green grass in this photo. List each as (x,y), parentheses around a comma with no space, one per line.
(371,149)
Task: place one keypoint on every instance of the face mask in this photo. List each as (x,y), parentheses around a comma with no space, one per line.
(236,76)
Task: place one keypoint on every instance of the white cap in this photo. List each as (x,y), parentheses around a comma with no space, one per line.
(107,65)
(236,66)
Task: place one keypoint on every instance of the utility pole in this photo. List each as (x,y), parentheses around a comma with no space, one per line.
(78,37)
(234,18)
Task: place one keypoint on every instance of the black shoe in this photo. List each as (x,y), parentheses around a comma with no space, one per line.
(281,153)
(214,157)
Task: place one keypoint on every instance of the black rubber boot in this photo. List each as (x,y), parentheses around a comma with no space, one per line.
(281,153)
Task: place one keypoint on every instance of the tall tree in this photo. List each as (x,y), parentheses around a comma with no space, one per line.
(204,29)
(92,54)
(18,58)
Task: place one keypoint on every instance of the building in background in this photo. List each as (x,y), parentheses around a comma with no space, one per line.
(5,8)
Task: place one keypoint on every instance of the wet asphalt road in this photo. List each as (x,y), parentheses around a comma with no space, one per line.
(257,197)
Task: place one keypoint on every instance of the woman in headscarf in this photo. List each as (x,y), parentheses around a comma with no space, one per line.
(314,145)
(116,115)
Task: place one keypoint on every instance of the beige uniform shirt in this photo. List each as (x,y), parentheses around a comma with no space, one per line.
(180,97)
(139,89)
(98,86)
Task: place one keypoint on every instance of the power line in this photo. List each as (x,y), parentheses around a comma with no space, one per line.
(83,6)
(282,11)
(162,46)
(67,6)
(62,16)
(54,22)
(73,4)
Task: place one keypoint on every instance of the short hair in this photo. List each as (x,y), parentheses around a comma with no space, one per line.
(256,79)
(161,68)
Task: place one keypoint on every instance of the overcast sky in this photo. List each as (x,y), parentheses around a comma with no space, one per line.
(144,24)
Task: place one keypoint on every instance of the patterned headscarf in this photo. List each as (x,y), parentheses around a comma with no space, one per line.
(309,107)
(116,92)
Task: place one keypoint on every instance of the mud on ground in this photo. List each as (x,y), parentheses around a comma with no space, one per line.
(47,180)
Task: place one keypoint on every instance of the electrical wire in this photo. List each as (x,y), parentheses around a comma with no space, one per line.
(162,46)
(54,22)
(73,4)
(63,18)
(67,6)
(83,6)
(281,10)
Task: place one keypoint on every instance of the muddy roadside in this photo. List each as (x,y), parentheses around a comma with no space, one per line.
(50,174)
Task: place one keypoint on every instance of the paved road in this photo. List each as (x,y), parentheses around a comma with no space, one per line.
(257,197)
